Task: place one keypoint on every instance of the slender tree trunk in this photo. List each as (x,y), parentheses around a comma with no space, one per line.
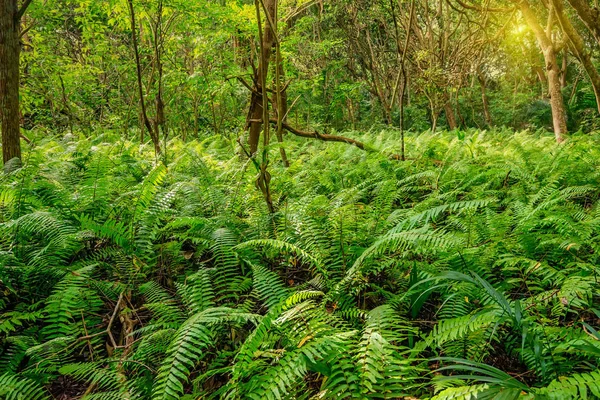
(9,80)
(255,119)
(161,121)
(402,54)
(539,71)
(434,116)
(563,70)
(486,106)
(574,89)
(350,106)
(463,123)
(266,40)
(284,96)
(255,114)
(280,91)
(281,106)
(559,120)
(213,111)
(144,114)
(484,98)
(67,108)
(401,109)
(386,108)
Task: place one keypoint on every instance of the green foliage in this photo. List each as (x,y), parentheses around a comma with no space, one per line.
(14,387)
(79,74)
(467,272)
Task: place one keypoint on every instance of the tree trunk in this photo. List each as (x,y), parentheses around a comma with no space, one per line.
(281,105)
(9,80)
(143,112)
(539,71)
(484,98)
(563,70)
(544,38)
(350,107)
(160,120)
(256,112)
(450,117)
(574,89)
(434,116)
(377,85)
(559,120)
(402,55)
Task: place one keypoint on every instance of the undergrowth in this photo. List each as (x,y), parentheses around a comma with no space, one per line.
(468,271)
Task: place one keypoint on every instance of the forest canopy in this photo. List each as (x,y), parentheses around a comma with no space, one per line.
(299,199)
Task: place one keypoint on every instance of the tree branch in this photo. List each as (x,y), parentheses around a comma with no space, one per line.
(246,84)
(320,136)
(478,8)
(23,8)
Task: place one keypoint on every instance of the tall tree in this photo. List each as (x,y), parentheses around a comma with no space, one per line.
(549,49)
(10,29)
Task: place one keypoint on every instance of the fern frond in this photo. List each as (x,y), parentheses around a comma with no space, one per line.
(577,386)
(14,387)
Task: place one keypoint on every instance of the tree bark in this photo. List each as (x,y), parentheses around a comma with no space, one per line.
(9,80)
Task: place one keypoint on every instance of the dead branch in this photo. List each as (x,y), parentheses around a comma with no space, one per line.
(320,136)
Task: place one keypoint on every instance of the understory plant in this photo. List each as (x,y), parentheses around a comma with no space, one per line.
(468,271)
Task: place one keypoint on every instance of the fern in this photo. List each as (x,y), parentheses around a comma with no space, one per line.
(13,387)
(469,271)
(577,386)
(183,353)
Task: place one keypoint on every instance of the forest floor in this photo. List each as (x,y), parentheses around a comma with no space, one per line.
(469,269)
